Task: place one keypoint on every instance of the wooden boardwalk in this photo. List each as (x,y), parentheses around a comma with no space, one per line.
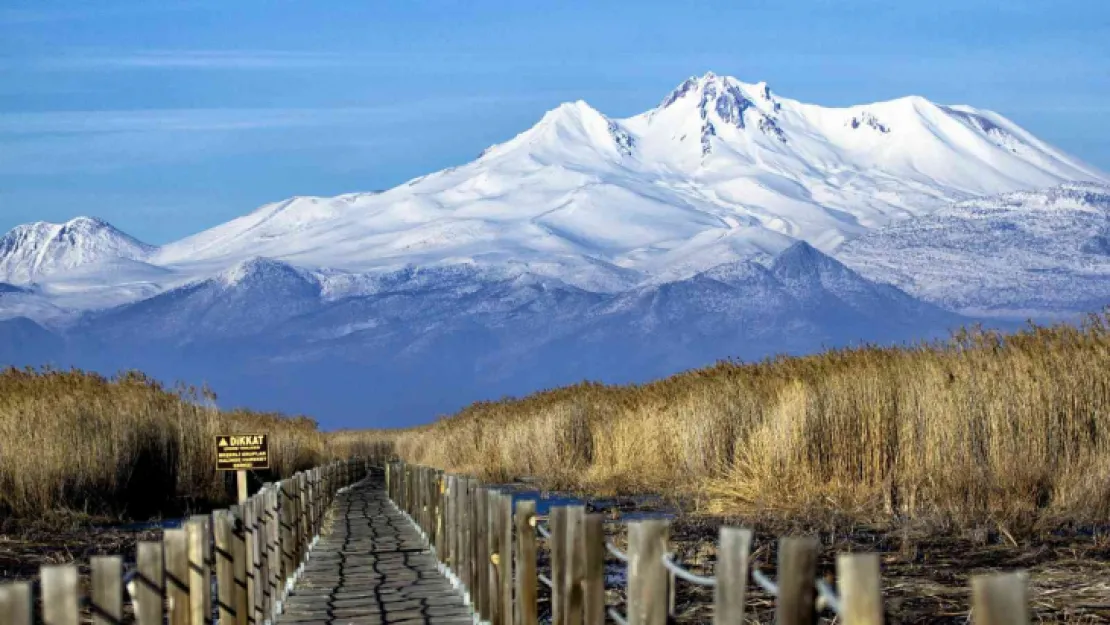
(372,566)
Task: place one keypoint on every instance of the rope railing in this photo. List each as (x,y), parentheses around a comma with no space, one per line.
(477,529)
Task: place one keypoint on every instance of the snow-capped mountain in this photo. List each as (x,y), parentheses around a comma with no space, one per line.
(728,221)
(31,252)
(1036,253)
(720,171)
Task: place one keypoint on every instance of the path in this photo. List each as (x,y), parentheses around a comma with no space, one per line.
(372,567)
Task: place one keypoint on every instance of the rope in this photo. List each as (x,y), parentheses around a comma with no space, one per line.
(678,571)
(543,531)
(765,582)
(617,553)
(826,595)
(546,580)
(617,617)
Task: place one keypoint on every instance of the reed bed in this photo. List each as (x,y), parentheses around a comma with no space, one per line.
(980,427)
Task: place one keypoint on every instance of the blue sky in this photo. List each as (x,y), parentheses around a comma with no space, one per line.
(170,117)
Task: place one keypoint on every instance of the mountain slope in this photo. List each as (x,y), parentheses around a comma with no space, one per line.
(31,252)
(1029,253)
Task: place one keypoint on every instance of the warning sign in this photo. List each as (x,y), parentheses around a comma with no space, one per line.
(237,452)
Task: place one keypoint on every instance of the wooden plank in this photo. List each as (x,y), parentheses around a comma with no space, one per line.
(859,585)
(106,580)
(256,561)
(647,577)
(1000,599)
(15,603)
(593,582)
(731,571)
(797,576)
(450,532)
(526,574)
(557,524)
(200,572)
(575,569)
(59,594)
(176,548)
(148,588)
(466,549)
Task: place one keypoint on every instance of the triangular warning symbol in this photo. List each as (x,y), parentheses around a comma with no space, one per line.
(223,442)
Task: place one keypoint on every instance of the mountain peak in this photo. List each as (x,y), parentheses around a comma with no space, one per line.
(33,251)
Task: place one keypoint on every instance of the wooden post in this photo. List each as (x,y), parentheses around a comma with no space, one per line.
(107,590)
(273,557)
(148,588)
(1000,598)
(526,576)
(239,564)
(647,577)
(176,548)
(466,549)
(288,549)
(557,525)
(451,534)
(59,594)
(493,560)
(225,566)
(731,571)
(200,572)
(797,575)
(256,560)
(15,603)
(505,527)
(860,588)
(593,583)
(575,568)
(241,484)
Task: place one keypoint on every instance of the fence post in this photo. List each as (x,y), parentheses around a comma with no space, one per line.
(593,583)
(1000,598)
(481,562)
(59,594)
(256,560)
(274,558)
(451,556)
(107,589)
(148,589)
(288,549)
(731,571)
(200,573)
(575,565)
(557,527)
(493,560)
(797,575)
(466,549)
(526,577)
(225,566)
(176,548)
(860,588)
(505,526)
(15,603)
(647,577)
(239,563)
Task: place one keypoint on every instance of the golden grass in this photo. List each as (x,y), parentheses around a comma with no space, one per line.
(982,427)
(127,446)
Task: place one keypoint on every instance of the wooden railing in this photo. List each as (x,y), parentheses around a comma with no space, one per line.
(488,547)
(235,565)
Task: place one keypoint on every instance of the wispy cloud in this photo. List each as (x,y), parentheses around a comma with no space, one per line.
(191,59)
(234,119)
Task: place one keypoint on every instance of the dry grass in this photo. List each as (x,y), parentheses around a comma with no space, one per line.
(126,446)
(1008,429)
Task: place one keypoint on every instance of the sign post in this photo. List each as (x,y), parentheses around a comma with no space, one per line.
(240,453)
